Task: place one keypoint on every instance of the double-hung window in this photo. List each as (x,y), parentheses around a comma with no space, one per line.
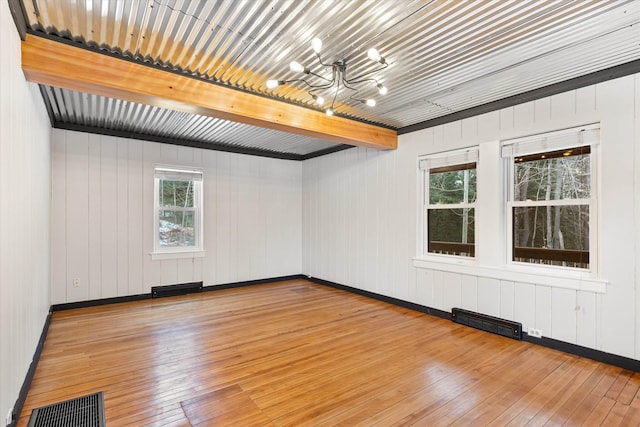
(552,198)
(449,202)
(178,210)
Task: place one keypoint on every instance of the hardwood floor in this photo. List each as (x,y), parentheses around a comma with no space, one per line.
(295,353)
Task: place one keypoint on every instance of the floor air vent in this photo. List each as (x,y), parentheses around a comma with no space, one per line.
(173,290)
(84,411)
(491,324)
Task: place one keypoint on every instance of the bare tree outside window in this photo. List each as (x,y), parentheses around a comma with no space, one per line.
(550,210)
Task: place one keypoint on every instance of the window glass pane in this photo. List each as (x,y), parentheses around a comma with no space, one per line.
(451,231)
(553,235)
(458,186)
(176,193)
(176,228)
(541,178)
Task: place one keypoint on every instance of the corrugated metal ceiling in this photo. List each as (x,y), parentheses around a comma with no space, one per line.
(75,110)
(444,56)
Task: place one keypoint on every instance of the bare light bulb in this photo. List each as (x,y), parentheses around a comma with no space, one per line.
(329,112)
(382,89)
(371,102)
(272,84)
(296,67)
(316,44)
(319,100)
(373,54)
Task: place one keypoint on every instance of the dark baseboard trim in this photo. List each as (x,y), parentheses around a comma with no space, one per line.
(97,302)
(22,396)
(576,350)
(140,297)
(252,282)
(586,352)
(395,301)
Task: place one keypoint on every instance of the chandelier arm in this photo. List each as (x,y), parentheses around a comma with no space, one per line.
(356,99)
(368,73)
(346,84)
(335,94)
(330,82)
(319,76)
(353,81)
(322,63)
(324,85)
(298,80)
(315,87)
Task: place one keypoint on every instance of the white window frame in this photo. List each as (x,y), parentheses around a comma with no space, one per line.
(587,135)
(439,160)
(191,174)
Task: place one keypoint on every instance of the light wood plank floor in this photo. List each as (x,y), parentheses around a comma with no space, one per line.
(295,353)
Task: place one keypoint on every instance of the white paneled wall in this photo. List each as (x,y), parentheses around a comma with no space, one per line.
(24,216)
(102,217)
(360,220)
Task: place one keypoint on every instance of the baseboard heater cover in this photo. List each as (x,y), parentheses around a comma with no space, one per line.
(487,323)
(83,411)
(173,290)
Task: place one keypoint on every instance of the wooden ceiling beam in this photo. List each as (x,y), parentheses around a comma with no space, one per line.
(62,65)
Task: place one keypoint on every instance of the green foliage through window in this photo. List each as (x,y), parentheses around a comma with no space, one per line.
(451,210)
(176,193)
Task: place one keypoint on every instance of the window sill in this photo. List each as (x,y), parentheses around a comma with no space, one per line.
(177,255)
(576,280)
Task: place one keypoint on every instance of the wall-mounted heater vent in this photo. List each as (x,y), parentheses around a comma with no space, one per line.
(84,411)
(173,290)
(491,324)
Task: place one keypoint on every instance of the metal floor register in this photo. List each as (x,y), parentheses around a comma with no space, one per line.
(84,411)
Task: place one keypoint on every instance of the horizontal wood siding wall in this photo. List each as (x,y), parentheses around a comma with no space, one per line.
(360,220)
(25,182)
(102,203)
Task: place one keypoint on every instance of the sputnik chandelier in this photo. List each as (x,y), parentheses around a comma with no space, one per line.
(338,78)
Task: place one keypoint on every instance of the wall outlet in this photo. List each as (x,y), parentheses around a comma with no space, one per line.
(533,332)
(9,418)
(76,282)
